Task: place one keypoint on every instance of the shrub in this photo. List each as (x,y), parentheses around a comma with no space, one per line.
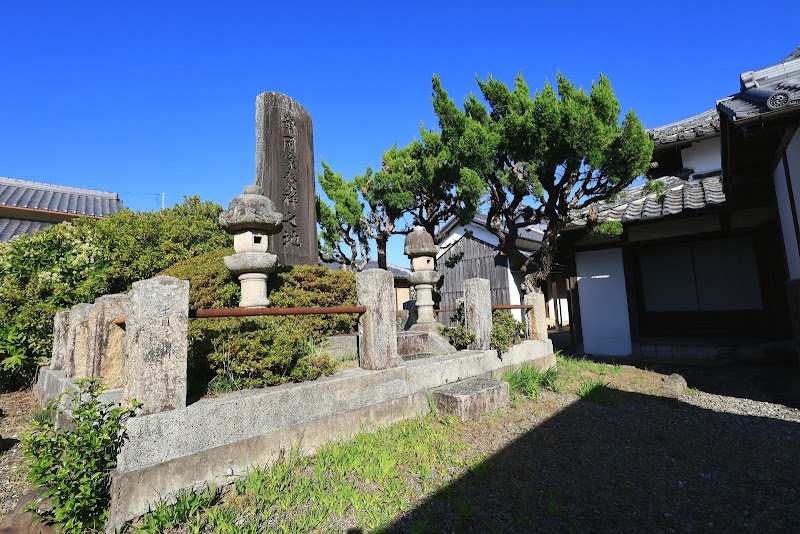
(527,379)
(458,335)
(506,331)
(78,261)
(257,351)
(73,466)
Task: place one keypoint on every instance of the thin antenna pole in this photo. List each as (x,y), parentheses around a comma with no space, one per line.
(162,200)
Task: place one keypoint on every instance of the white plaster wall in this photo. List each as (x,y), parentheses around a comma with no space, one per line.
(513,291)
(784,206)
(603,302)
(703,156)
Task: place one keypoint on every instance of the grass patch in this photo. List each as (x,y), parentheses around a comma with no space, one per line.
(528,379)
(595,390)
(366,482)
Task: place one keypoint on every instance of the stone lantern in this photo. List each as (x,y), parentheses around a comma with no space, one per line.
(251,218)
(421,249)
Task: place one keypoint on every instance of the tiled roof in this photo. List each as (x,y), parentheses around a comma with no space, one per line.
(705,124)
(637,204)
(399,273)
(11,227)
(769,90)
(57,198)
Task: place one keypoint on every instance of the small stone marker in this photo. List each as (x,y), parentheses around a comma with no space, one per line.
(377,340)
(478,311)
(471,398)
(75,355)
(285,171)
(60,328)
(105,342)
(156,344)
(537,322)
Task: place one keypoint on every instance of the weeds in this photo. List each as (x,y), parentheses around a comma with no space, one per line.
(528,379)
(595,390)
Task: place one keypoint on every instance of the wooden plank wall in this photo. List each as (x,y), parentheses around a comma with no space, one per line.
(479,261)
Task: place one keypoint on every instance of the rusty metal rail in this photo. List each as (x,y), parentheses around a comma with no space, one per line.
(494,307)
(255,312)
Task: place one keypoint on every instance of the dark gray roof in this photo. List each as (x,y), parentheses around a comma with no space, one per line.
(399,273)
(11,227)
(702,125)
(57,198)
(637,204)
(534,232)
(766,91)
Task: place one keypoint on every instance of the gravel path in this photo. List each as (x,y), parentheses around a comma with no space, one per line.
(15,409)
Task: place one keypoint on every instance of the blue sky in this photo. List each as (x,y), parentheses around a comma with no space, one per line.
(145,97)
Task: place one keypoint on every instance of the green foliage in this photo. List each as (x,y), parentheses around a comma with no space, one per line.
(595,390)
(659,187)
(607,229)
(78,261)
(258,351)
(72,466)
(540,156)
(458,335)
(343,232)
(506,331)
(527,380)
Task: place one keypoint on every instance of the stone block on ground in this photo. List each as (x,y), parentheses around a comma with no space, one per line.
(471,398)
(19,521)
(673,386)
(412,343)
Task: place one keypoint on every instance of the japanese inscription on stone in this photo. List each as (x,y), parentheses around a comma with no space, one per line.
(285,171)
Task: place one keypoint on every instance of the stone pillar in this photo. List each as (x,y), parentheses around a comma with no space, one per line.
(537,322)
(285,171)
(105,340)
(60,329)
(156,344)
(76,353)
(478,311)
(377,339)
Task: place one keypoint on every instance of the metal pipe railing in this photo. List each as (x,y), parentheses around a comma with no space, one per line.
(494,307)
(255,312)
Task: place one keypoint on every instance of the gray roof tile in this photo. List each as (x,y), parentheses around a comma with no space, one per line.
(772,89)
(637,204)
(12,227)
(57,198)
(705,124)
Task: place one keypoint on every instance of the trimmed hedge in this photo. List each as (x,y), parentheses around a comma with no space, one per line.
(259,351)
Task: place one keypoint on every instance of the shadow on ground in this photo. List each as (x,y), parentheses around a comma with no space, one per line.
(7,443)
(639,464)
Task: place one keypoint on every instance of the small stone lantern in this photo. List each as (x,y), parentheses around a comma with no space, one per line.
(251,218)
(421,249)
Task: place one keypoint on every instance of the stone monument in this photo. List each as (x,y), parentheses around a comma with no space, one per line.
(251,218)
(421,249)
(285,171)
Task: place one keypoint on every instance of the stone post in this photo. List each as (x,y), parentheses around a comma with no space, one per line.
(478,311)
(285,171)
(156,344)
(377,338)
(60,329)
(75,353)
(537,322)
(106,340)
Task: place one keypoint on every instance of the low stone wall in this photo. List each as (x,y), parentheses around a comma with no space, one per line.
(218,440)
(172,447)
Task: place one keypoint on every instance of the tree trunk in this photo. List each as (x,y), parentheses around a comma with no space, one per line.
(381,246)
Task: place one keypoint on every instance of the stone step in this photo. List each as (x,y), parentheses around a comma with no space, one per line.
(471,398)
